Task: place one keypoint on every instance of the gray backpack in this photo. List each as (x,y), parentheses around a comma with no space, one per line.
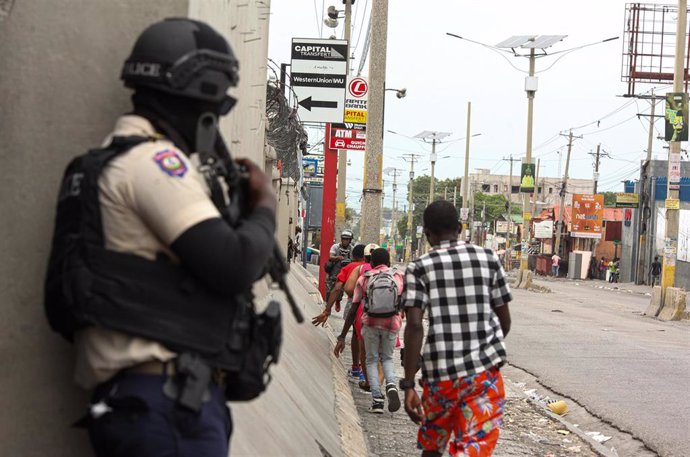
(382,294)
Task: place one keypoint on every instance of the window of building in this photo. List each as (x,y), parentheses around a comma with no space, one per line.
(495,188)
(539,190)
(550,190)
(486,187)
(516,190)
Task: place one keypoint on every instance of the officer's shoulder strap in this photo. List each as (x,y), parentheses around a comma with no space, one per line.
(91,165)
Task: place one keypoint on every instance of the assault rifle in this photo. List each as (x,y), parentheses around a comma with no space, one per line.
(216,161)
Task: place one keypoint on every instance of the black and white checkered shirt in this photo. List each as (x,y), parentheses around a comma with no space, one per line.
(459,285)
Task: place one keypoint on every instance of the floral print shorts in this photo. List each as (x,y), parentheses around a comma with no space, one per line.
(470,408)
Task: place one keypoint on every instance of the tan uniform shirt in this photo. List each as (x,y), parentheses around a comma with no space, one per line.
(149,196)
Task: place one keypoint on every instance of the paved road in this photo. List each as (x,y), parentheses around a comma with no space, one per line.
(595,346)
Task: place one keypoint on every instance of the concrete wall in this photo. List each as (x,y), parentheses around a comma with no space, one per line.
(245,24)
(59,94)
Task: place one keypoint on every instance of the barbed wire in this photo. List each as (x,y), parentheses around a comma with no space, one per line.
(284,131)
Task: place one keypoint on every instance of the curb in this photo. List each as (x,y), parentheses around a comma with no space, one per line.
(598,448)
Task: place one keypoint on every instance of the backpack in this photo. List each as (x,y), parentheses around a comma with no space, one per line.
(382,294)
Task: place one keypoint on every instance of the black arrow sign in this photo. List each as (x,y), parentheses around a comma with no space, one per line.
(308,104)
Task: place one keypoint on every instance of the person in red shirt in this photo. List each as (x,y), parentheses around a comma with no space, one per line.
(355,372)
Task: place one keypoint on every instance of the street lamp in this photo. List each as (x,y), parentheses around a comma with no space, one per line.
(400,93)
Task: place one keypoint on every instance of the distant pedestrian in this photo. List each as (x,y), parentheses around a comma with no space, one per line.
(378,290)
(297,244)
(463,289)
(555,265)
(655,270)
(613,270)
(603,264)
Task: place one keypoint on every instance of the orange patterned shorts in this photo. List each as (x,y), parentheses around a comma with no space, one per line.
(470,408)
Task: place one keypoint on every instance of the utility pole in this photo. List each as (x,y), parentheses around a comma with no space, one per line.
(445,193)
(668,273)
(433,168)
(465,180)
(371,203)
(393,172)
(412,158)
(531,89)
(341,193)
(435,137)
(455,196)
(508,256)
(597,158)
(561,210)
(641,276)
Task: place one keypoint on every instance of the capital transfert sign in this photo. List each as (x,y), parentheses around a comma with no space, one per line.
(588,216)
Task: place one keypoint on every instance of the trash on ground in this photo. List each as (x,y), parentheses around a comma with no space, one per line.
(598,437)
(563,432)
(558,407)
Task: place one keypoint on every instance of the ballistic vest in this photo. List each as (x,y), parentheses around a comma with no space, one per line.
(87,284)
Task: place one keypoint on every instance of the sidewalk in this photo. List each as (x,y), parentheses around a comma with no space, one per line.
(528,429)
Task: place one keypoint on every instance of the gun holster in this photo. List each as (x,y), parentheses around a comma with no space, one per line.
(189,387)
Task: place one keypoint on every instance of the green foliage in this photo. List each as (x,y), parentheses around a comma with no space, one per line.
(495,205)
(609,199)
(420,198)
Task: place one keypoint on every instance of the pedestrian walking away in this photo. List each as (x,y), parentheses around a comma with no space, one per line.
(147,244)
(603,268)
(339,256)
(555,265)
(463,291)
(355,372)
(379,291)
(655,270)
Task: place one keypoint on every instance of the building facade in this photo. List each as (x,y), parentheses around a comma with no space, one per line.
(548,189)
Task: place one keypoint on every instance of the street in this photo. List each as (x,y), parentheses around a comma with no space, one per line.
(595,347)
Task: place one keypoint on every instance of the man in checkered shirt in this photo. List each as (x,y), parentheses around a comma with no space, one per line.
(463,290)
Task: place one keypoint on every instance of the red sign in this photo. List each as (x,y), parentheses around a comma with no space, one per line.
(342,137)
(358,87)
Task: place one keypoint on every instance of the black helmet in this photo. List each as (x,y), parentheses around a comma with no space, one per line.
(182,57)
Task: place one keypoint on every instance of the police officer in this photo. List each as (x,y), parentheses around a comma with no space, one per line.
(155,203)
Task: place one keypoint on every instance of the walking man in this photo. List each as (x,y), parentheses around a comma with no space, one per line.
(555,265)
(355,373)
(463,290)
(378,290)
(655,270)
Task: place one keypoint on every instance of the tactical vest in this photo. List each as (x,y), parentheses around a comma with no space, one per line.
(87,284)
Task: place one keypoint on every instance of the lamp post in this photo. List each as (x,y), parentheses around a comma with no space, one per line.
(532,43)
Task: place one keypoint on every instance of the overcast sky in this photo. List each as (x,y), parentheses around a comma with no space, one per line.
(442,74)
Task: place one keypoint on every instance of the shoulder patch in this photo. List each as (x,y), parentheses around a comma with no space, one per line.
(171,163)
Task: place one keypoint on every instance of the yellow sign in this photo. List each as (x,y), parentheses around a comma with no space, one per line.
(672,203)
(527,216)
(340,210)
(355,116)
(627,200)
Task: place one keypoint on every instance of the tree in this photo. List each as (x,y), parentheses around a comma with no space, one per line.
(496,205)
(420,198)
(609,199)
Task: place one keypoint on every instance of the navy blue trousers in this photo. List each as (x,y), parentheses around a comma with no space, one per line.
(146,423)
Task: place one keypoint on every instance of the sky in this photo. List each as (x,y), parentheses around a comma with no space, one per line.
(583,90)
